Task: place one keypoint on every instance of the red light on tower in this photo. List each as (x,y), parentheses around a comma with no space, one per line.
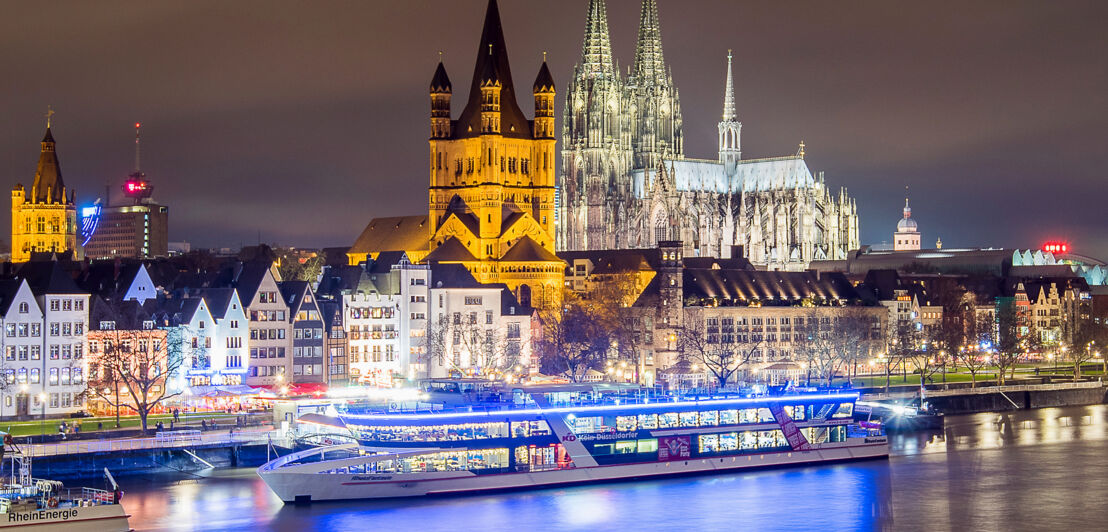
(1056,247)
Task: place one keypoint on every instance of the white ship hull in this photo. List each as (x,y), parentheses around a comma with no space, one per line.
(99,518)
(292,486)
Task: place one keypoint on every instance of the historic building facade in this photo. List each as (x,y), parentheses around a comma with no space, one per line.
(45,217)
(492,186)
(626,182)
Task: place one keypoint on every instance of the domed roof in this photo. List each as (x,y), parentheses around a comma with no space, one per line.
(906,224)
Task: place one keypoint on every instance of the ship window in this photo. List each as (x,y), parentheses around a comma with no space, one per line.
(769,439)
(795,412)
(626,423)
(709,443)
(648,446)
(688,419)
(667,420)
(765,416)
(729,441)
(747,440)
(728,417)
(602,449)
(648,421)
(709,418)
(845,410)
(626,447)
(748,415)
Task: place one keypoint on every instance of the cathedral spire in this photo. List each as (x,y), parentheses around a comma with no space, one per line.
(729,94)
(649,66)
(596,53)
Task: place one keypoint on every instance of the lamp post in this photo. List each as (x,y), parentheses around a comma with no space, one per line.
(42,399)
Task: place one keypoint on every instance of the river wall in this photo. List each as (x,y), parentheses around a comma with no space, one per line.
(147,461)
(1017,400)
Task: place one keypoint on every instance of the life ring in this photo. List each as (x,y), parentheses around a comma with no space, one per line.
(53,502)
(8,439)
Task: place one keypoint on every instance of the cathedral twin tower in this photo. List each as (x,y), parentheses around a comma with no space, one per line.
(626,182)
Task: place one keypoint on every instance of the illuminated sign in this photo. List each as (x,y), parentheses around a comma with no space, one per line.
(90,221)
(1056,247)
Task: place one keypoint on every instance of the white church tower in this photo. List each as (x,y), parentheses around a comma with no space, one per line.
(907,234)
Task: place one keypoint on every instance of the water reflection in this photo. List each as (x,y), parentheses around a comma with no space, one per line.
(995,430)
(1011,471)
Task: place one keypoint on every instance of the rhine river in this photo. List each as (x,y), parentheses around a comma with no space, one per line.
(1030,470)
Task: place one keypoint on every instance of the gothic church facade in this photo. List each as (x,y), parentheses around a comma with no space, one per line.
(626,182)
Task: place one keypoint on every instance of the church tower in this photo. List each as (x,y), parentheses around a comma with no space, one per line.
(46,218)
(596,144)
(655,108)
(907,237)
(730,128)
(491,193)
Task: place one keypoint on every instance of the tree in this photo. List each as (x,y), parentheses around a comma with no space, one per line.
(575,337)
(700,340)
(1089,339)
(132,370)
(485,348)
(833,339)
(974,351)
(1010,338)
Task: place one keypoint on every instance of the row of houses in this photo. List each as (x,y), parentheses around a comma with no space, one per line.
(238,326)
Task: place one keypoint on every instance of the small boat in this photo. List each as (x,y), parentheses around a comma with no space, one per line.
(538,444)
(41,505)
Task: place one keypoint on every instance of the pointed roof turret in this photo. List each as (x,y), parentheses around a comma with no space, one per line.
(492,68)
(729,94)
(649,66)
(544,81)
(441,82)
(596,53)
(48,185)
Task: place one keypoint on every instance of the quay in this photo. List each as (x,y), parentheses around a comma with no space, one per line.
(182,450)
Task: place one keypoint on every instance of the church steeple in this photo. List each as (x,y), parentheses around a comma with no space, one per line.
(48,186)
(649,65)
(596,53)
(730,129)
(492,106)
(729,94)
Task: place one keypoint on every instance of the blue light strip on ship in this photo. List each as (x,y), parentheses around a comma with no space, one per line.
(601,408)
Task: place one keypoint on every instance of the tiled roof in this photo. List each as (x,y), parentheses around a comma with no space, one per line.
(398,233)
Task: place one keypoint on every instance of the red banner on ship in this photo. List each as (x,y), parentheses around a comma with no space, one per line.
(674,448)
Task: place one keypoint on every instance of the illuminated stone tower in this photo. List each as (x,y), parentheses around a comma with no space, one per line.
(491,194)
(44,219)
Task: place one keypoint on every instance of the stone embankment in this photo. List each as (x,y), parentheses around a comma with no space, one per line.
(965,400)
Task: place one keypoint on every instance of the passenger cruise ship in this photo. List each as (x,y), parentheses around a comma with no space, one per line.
(541,443)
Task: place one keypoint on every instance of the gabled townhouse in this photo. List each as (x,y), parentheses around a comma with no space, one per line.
(189,326)
(227,343)
(308,360)
(63,342)
(270,329)
(334,340)
(23,365)
(125,334)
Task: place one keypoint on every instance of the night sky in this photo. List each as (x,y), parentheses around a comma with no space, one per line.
(302,120)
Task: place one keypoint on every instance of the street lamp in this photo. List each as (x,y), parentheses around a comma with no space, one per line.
(42,399)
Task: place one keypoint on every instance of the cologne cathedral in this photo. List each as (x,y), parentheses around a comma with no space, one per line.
(626,182)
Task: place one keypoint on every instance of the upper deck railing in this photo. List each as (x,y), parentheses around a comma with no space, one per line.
(488,405)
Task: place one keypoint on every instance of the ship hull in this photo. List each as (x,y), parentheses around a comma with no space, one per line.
(300,487)
(99,518)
